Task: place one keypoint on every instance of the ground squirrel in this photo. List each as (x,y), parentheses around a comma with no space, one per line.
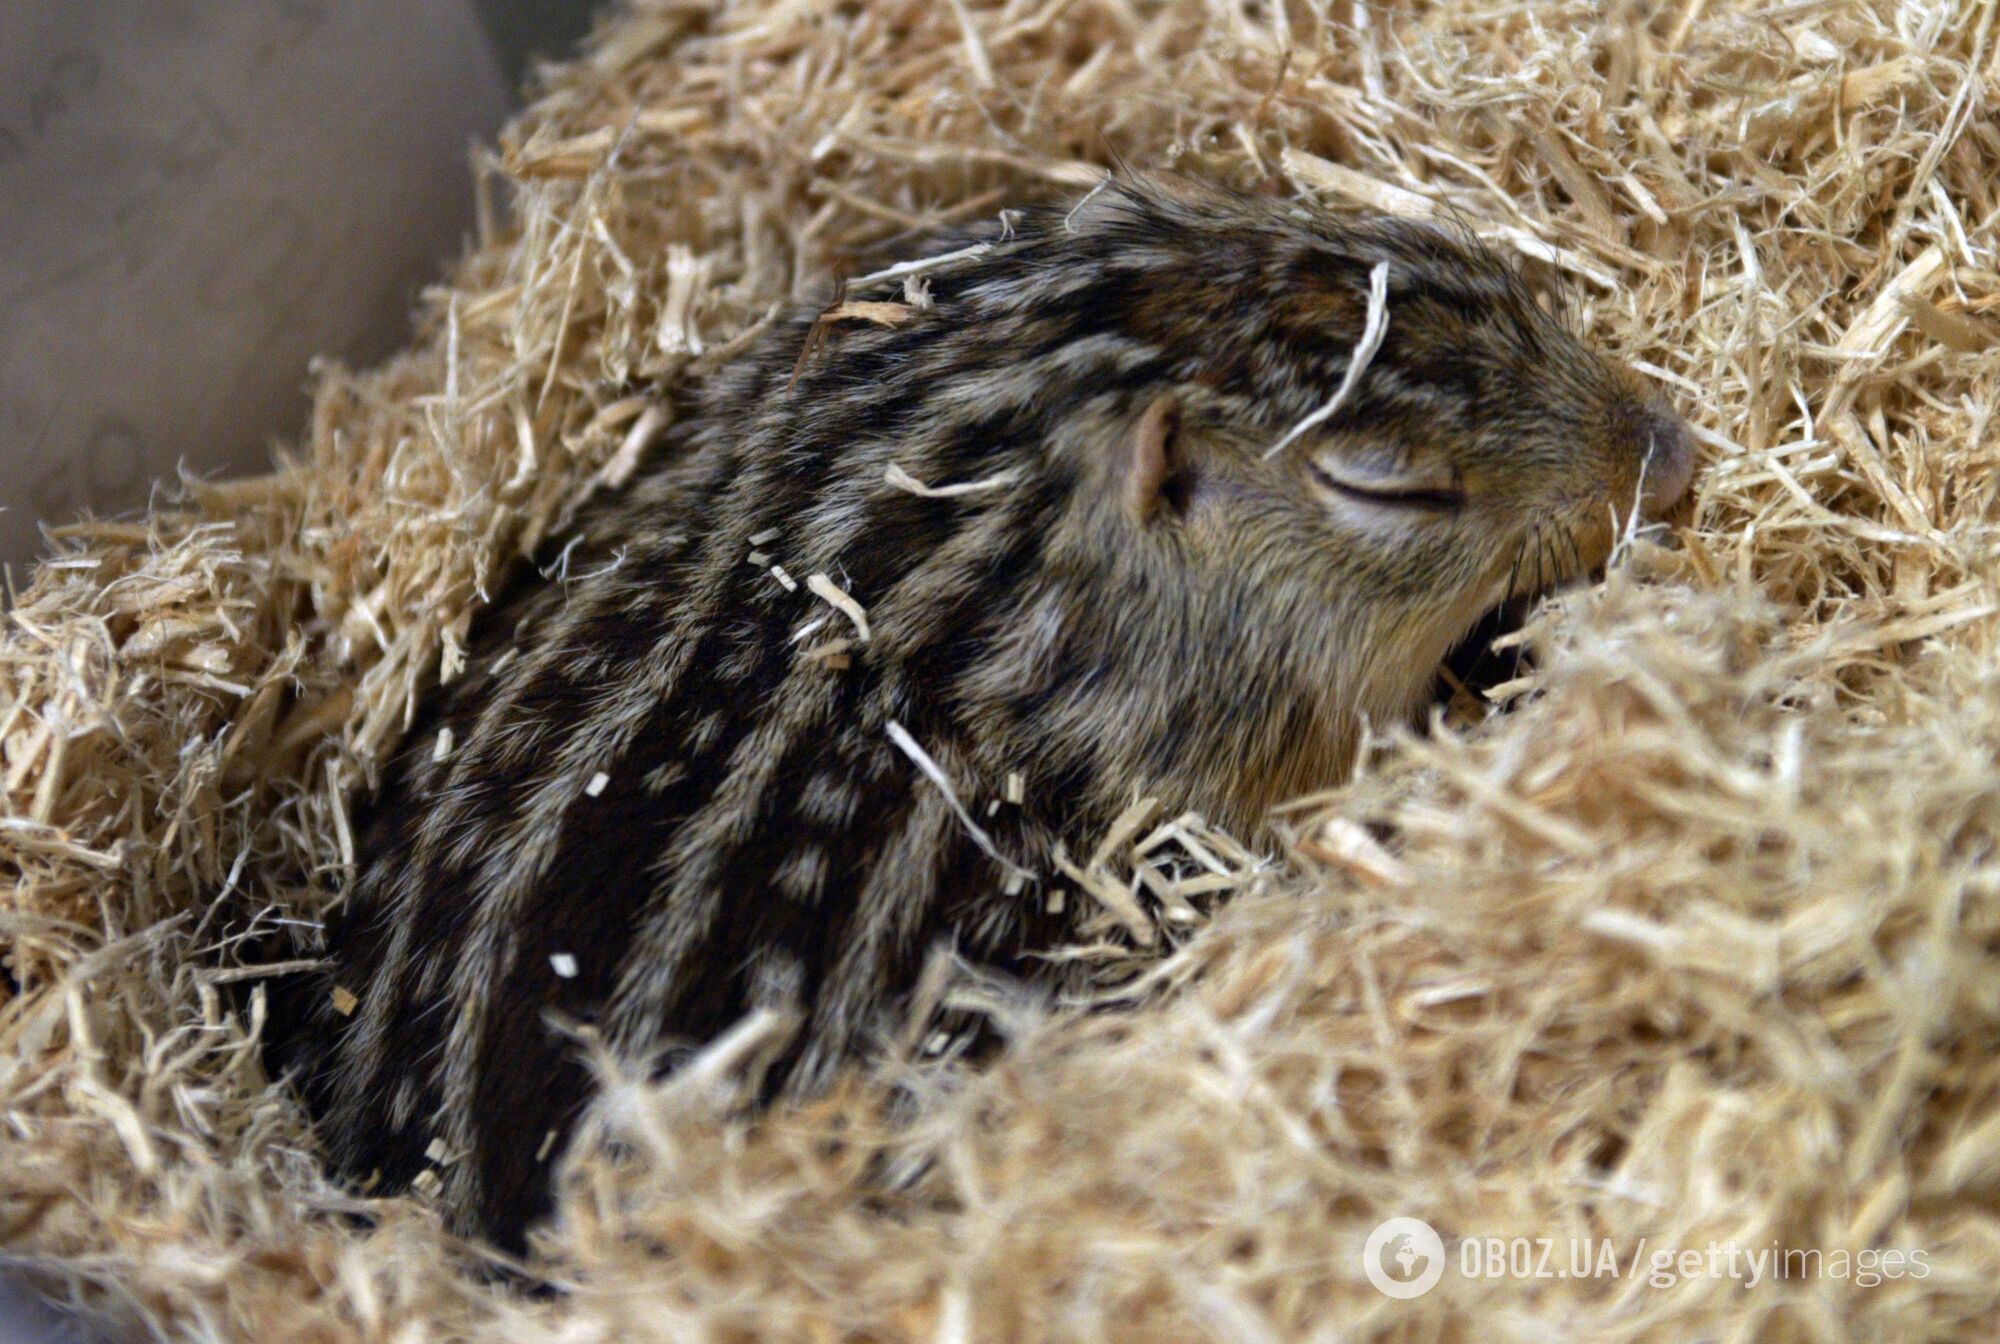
(1161,488)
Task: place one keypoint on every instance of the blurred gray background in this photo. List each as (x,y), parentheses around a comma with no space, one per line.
(196,197)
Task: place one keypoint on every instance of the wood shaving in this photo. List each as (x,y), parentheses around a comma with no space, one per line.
(1357,361)
(836,597)
(902,480)
(931,770)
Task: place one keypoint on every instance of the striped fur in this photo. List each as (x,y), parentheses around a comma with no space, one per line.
(657,772)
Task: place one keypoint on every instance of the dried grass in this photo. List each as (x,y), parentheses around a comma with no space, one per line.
(1702,942)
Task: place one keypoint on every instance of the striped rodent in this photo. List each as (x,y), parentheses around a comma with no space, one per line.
(681,783)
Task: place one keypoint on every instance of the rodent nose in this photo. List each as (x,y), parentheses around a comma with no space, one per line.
(1669,450)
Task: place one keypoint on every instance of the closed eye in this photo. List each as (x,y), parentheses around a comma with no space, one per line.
(1392,493)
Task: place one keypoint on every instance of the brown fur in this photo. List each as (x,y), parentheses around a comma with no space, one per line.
(663,768)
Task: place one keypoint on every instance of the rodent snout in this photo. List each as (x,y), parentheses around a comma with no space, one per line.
(1669,460)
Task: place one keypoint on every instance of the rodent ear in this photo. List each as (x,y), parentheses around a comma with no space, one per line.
(1151,463)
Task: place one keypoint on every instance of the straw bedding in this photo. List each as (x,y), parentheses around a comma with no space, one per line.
(1698,942)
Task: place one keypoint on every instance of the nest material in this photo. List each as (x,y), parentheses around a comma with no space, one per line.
(1699,944)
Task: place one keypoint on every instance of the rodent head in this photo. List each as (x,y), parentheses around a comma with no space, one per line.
(1293,570)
